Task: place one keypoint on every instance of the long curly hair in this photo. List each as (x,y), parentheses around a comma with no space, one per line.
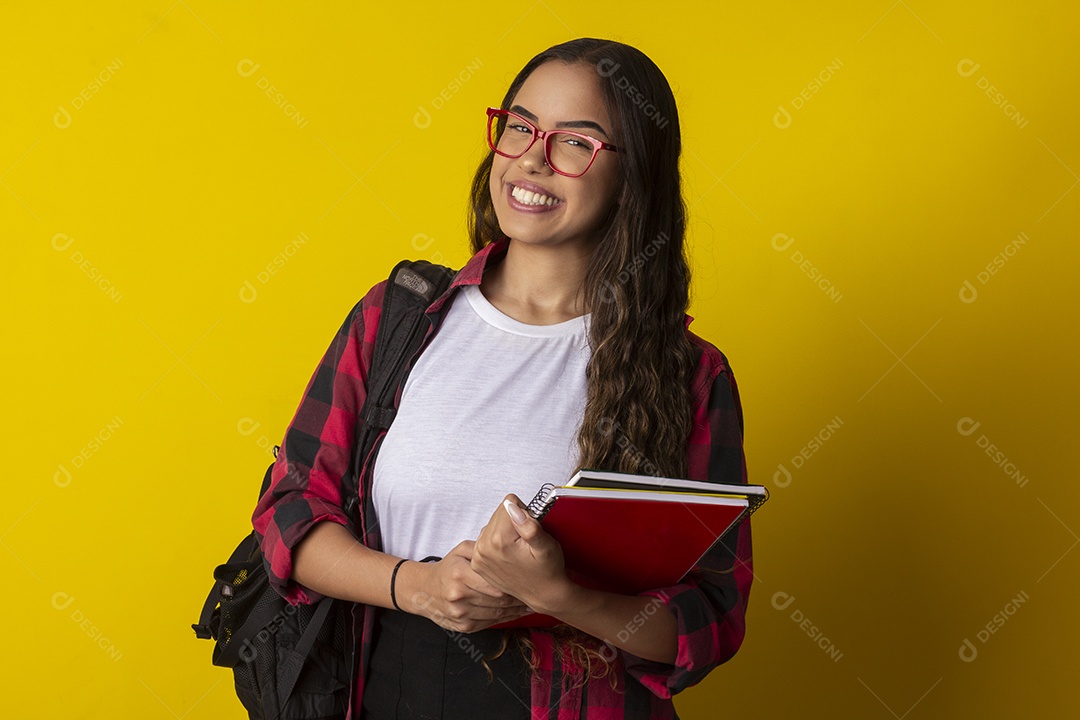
(638,412)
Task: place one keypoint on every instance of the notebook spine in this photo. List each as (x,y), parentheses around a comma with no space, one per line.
(539,505)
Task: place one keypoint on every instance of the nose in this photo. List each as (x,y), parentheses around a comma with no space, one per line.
(533,160)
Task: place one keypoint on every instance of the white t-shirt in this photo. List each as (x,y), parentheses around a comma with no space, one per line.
(492,406)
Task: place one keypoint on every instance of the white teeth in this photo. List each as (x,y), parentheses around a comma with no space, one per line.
(527,197)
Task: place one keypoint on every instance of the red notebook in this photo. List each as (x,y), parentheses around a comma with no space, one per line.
(629,533)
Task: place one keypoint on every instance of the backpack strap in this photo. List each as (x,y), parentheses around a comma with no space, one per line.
(413,285)
(289,671)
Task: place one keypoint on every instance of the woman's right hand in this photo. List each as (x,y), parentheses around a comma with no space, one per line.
(452,595)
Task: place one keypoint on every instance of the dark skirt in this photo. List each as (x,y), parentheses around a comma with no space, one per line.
(421,671)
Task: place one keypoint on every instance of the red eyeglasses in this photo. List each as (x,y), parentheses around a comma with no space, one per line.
(567,153)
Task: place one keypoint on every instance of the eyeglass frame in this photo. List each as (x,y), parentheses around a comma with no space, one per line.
(538,134)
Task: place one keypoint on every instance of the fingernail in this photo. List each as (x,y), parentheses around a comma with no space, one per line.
(514,511)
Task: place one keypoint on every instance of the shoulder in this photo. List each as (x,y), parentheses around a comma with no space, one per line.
(712,366)
(716,395)
(711,356)
(419,281)
(362,325)
(713,380)
(355,337)
(365,312)
(363,320)
(372,301)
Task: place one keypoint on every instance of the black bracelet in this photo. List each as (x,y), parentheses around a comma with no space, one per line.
(393,577)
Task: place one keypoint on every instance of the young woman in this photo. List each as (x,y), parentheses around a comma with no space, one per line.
(563,343)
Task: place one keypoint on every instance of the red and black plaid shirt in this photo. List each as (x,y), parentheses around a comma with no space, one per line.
(709,605)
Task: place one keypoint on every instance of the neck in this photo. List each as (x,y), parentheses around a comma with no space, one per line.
(539,285)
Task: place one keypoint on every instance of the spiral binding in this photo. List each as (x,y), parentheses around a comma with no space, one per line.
(755,504)
(539,505)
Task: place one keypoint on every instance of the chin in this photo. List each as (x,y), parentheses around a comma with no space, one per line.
(522,234)
(518,228)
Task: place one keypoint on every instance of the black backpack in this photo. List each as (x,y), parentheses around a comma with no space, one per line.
(294,661)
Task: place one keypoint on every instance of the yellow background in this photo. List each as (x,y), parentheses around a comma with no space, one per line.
(177,179)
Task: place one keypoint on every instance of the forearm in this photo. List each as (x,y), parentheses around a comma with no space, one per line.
(331,561)
(637,624)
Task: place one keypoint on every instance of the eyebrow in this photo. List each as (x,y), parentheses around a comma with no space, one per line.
(565,124)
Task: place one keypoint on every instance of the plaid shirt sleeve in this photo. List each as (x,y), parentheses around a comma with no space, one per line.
(710,603)
(317,450)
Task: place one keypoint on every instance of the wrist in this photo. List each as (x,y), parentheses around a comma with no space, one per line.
(395,585)
(562,597)
(410,587)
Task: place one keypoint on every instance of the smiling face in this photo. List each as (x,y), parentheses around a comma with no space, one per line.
(557,96)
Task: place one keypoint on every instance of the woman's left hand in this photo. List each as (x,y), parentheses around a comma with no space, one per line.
(521,559)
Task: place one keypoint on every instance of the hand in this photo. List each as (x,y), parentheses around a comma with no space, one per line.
(519,558)
(453,596)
